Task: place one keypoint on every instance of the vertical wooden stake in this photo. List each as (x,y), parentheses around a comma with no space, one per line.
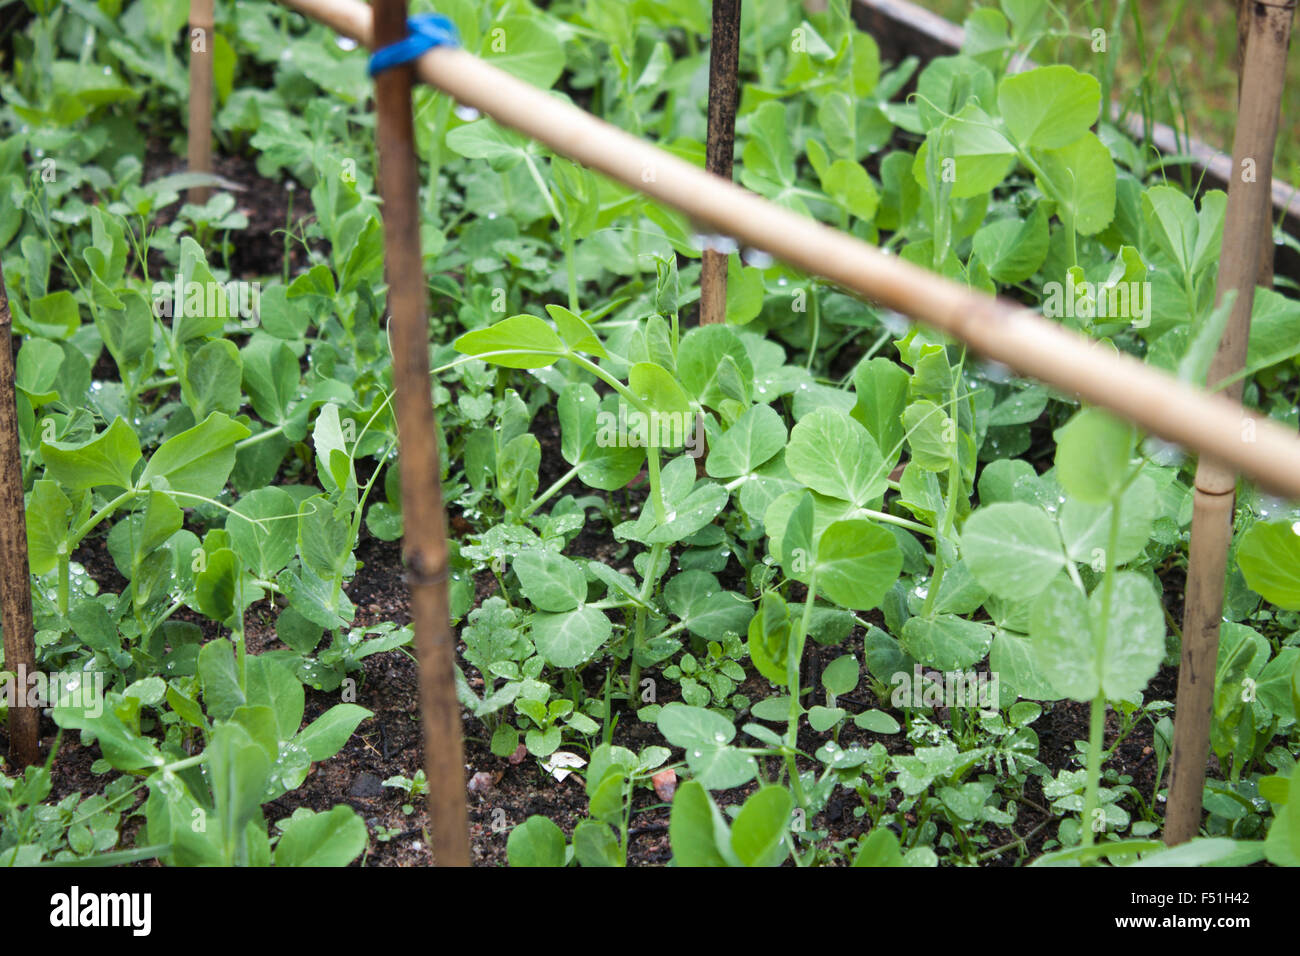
(1264,172)
(424,543)
(724,53)
(1263,76)
(200,131)
(15,577)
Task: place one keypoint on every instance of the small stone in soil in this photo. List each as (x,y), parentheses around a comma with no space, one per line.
(665,783)
(367,785)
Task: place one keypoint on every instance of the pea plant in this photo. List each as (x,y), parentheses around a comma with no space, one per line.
(813,586)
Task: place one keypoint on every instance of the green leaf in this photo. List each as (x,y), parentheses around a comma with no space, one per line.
(525,47)
(745,291)
(702,357)
(197,461)
(238,769)
(1012,549)
(881,388)
(1081,178)
(931,435)
(758,833)
(879,848)
(1093,452)
(550,581)
(981,156)
(536,842)
(107,459)
(334,838)
(1269,557)
(1065,628)
(705,607)
(263,530)
(756,437)
(841,675)
(696,827)
(526,341)
(1049,107)
(48,517)
(1086,527)
(570,639)
(326,735)
(857,563)
(578,335)
(654,385)
(1014,249)
(946,641)
(595,844)
(834,455)
(214,374)
(215,586)
(54,315)
(122,747)
(216,670)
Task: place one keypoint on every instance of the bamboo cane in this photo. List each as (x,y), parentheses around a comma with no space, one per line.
(724,55)
(1264,172)
(200,129)
(1003,331)
(15,577)
(1263,76)
(424,541)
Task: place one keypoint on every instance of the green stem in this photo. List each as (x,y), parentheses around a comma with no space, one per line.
(550,492)
(793,665)
(65,582)
(1096,731)
(638,637)
(1098,720)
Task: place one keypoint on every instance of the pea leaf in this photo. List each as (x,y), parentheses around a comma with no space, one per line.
(106,459)
(551,581)
(1049,107)
(857,563)
(1013,549)
(198,460)
(572,638)
(1093,451)
(521,341)
(833,455)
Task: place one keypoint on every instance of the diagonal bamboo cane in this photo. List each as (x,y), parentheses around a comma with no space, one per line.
(15,578)
(724,56)
(424,539)
(1263,76)
(1003,331)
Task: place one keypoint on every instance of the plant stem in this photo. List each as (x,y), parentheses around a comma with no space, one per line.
(794,662)
(550,492)
(1096,731)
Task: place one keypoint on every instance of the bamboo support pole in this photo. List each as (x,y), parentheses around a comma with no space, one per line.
(724,57)
(200,119)
(1263,77)
(1264,172)
(1004,331)
(15,576)
(424,541)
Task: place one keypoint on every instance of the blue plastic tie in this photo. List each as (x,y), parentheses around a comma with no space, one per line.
(426,31)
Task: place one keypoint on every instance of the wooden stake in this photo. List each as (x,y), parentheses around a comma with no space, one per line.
(724,54)
(1268,252)
(1001,330)
(200,131)
(15,577)
(424,543)
(1263,76)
